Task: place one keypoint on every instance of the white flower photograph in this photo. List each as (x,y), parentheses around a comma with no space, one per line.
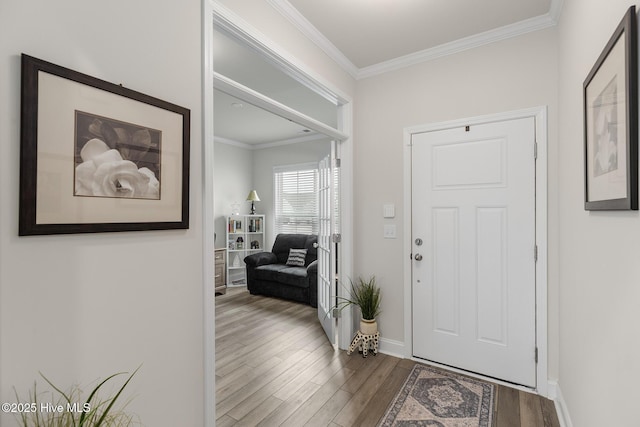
(116,159)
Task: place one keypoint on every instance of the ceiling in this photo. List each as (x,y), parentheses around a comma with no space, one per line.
(239,123)
(368,32)
(365,37)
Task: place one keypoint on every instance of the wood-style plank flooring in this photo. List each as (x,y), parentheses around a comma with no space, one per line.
(275,367)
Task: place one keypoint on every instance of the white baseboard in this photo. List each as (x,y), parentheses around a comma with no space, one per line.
(392,348)
(561,407)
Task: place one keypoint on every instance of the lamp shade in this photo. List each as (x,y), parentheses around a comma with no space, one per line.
(253,196)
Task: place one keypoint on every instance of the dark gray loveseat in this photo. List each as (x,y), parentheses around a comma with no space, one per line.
(268,272)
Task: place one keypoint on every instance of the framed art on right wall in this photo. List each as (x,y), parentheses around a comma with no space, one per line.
(611,122)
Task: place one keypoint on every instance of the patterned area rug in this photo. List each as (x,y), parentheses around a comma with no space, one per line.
(433,397)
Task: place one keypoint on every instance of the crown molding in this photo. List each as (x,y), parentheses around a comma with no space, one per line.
(263,145)
(233,142)
(287,10)
(481,39)
(296,140)
(513,30)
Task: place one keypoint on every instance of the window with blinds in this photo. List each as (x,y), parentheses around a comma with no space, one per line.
(296,198)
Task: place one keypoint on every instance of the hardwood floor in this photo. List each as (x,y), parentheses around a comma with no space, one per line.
(275,367)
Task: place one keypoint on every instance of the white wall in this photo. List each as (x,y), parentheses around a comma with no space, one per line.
(233,179)
(263,162)
(599,286)
(512,74)
(81,307)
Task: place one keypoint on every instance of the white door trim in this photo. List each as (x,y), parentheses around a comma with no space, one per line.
(259,100)
(540,115)
(208,274)
(214,12)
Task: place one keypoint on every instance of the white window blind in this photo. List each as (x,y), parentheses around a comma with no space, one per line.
(296,198)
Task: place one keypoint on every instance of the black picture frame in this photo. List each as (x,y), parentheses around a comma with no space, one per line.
(611,122)
(98,157)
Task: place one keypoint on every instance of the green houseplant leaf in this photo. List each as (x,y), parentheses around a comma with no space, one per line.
(364,294)
(96,411)
(113,400)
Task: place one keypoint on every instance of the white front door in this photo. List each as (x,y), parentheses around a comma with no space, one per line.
(473,240)
(328,221)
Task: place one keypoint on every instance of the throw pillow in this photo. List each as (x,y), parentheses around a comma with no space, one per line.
(296,257)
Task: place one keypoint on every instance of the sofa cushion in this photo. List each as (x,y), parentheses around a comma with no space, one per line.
(294,276)
(296,257)
(284,242)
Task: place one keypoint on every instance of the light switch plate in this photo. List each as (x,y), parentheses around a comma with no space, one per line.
(390,231)
(389,211)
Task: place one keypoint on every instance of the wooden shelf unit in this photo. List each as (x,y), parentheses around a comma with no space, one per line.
(245,236)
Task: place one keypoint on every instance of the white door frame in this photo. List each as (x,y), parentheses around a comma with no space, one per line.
(213,12)
(540,115)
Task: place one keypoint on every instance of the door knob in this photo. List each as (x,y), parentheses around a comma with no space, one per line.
(418,257)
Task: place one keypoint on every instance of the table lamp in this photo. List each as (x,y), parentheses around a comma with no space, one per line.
(253,197)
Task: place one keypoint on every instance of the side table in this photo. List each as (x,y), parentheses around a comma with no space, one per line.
(221,271)
(364,343)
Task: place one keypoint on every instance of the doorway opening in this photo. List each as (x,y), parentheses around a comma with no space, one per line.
(218,17)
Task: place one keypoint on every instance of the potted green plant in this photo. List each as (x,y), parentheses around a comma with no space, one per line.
(57,408)
(366,295)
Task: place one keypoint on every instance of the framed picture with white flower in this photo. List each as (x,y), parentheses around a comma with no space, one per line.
(98,157)
(611,122)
